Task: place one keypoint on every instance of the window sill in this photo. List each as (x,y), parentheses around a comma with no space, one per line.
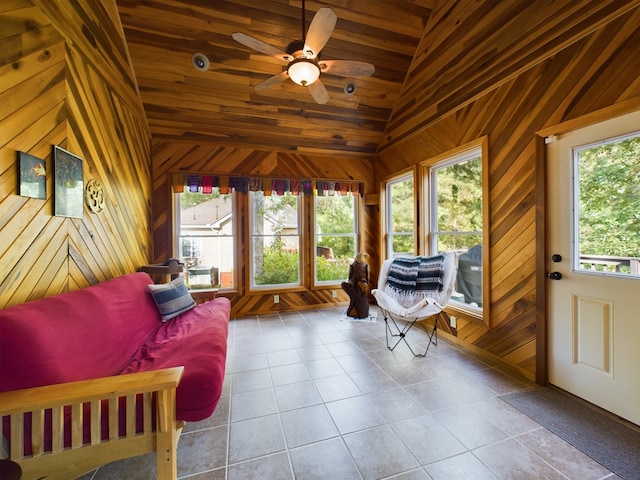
(470,314)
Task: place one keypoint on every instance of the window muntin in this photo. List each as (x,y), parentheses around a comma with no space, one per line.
(275,240)
(607,213)
(400,217)
(456,221)
(205,238)
(336,234)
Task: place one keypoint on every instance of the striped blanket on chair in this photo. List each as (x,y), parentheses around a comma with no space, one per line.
(411,279)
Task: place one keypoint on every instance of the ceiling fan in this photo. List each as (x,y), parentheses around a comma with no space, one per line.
(302,57)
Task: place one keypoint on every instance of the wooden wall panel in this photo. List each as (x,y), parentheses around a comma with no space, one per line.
(169,157)
(582,65)
(65,80)
(469,49)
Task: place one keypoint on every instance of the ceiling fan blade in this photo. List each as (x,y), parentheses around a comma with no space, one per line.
(319,92)
(261,47)
(320,30)
(347,68)
(271,81)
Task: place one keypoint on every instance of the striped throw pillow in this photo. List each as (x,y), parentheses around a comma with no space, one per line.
(172,298)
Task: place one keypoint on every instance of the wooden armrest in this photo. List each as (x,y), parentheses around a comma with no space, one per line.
(58,395)
(79,444)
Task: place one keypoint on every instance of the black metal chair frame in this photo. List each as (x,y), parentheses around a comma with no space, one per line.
(401,333)
(399,319)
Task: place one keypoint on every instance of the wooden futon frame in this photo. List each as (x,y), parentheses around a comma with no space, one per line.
(56,453)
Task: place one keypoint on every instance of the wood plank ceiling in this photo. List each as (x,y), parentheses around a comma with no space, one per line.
(219,105)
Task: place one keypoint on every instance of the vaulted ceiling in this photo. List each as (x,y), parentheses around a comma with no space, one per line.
(220,106)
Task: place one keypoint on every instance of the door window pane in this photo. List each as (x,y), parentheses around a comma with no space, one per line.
(607,219)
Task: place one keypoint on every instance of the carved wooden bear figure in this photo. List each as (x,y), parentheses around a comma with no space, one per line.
(357,287)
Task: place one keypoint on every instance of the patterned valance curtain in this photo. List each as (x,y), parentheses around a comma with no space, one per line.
(278,186)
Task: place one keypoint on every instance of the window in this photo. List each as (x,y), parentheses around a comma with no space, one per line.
(336,236)
(607,222)
(190,247)
(205,238)
(400,217)
(456,219)
(275,239)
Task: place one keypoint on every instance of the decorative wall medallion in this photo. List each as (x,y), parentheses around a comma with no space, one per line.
(94,196)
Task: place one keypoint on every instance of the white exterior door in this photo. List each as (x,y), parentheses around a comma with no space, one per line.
(594,316)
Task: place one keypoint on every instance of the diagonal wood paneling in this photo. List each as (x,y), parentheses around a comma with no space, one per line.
(509,94)
(65,80)
(469,49)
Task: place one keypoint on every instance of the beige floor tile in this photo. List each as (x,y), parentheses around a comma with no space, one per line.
(427,439)
(324,460)
(379,453)
(273,467)
(309,396)
(465,466)
(511,460)
(308,425)
(255,438)
(471,428)
(563,456)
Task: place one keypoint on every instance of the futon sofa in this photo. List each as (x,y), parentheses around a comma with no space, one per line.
(107,372)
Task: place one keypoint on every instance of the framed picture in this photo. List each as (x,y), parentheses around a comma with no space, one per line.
(68,182)
(33,176)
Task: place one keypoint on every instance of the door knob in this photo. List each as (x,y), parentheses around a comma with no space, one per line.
(554,275)
(556,257)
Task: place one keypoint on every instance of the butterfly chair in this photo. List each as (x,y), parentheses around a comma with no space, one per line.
(413,289)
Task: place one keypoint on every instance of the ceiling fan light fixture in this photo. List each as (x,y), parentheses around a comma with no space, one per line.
(303,71)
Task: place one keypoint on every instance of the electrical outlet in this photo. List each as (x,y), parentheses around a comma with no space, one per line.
(453,321)
(334,294)
(276,299)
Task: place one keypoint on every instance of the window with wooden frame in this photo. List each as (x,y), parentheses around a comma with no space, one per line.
(275,240)
(205,230)
(456,213)
(400,218)
(335,236)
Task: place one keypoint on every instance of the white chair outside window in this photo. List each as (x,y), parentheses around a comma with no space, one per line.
(402,308)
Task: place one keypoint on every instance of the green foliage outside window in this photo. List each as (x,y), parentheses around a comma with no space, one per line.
(459,210)
(279,266)
(402,216)
(335,232)
(327,270)
(276,241)
(609,204)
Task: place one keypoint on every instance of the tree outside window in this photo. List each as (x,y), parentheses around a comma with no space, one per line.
(335,236)
(275,239)
(400,217)
(608,206)
(456,220)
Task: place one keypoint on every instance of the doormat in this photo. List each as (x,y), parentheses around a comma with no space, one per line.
(598,434)
(370,319)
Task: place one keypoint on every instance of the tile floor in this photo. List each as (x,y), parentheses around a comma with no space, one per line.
(309,395)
